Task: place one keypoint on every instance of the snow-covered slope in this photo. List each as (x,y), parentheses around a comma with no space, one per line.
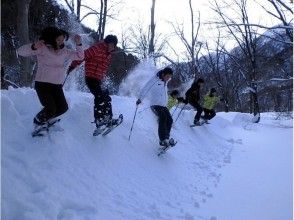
(71,175)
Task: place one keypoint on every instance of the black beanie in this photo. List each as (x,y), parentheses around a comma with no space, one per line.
(167,70)
(111,39)
(212,90)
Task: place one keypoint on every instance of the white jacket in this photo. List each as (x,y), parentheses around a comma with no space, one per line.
(157,90)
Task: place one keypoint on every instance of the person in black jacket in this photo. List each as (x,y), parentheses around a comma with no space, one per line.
(193,98)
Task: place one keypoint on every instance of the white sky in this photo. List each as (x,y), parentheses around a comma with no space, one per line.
(130,12)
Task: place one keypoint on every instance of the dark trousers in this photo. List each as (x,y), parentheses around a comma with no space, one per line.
(165,121)
(199,110)
(208,114)
(102,99)
(53,100)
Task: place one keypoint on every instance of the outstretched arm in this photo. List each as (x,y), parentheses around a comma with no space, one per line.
(88,54)
(31,49)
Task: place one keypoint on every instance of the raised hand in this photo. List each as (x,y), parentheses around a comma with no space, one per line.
(78,39)
(39,44)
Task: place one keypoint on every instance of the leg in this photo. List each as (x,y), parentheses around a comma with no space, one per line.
(107,108)
(60,101)
(211,114)
(44,92)
(199,110)
(163,121)
(206,114)
(169,121)
(94,86)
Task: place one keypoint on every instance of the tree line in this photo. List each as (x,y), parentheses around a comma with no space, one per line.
(255,76)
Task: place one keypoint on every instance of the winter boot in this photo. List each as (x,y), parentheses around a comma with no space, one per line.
(197,123)
(164,143)
(172,142)
(38,122)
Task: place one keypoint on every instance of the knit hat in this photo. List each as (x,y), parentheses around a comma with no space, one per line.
(212,90)
(200,80)
(111,39)
(167,70)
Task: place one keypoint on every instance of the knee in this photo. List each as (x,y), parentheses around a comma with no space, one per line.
(62,109)
(170,119)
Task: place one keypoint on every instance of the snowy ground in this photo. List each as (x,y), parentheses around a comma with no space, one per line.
(229,169)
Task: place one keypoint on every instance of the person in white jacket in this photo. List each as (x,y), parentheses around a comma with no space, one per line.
(157,88)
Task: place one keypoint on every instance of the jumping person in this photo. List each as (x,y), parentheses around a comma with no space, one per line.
(157,87)
(51,56)
(172,99)
(97,60)
(193,98)
(210,100)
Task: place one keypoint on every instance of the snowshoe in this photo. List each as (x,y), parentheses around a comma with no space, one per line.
(165,145)
(42,129)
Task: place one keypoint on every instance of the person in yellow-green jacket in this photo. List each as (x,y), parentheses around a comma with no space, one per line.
(174,99)
(210,101)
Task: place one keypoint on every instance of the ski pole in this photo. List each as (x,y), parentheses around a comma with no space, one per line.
(180,113)
(133,122)
(65,80)
(175,109)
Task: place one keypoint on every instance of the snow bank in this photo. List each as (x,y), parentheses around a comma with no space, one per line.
(71,175)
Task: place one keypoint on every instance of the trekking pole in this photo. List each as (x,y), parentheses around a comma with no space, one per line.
(65,80)
(180,113)
(133,122)
(175,109)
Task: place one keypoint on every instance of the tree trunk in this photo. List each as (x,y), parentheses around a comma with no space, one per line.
(152,30)
(23,34)
(79,9)
(99,31)
(104,19)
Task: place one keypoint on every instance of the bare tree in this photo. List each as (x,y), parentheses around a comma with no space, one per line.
(23,34)
(192,46)
(140,41)
(245,36)
(75,10)
(75,7)
(152,30)
(284,13)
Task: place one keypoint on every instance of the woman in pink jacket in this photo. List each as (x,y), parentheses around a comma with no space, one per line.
(51,56)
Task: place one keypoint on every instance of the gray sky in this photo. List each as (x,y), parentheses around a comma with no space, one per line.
(131,12)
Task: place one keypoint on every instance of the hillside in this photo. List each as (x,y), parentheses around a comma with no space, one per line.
(229,169)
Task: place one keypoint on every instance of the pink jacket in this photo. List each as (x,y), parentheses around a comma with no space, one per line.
(51,64)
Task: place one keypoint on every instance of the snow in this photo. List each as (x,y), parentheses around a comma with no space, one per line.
(229,169)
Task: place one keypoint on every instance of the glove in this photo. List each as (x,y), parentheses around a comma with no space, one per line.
(185,101)
(181,99)
(70,68)
(138,102)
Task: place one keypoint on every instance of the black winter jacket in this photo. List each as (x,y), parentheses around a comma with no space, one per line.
(193,94)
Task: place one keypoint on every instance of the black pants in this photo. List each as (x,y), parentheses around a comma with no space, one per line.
(102,99)
(53,100)
(199,110)
(165,121)
(208,114)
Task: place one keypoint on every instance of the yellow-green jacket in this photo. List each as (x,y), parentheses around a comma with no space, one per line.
(210,102)
(171,102)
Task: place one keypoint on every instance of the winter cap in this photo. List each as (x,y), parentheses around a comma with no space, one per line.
(111,39)
(167,70)
(174,93)
(212,90)
(200,80)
